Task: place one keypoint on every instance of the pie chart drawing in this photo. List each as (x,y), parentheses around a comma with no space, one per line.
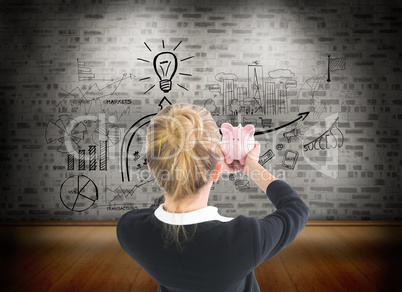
(78,193)
(107,132)
(66,131)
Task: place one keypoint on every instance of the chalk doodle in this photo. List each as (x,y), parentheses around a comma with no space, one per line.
(165,65)
(279,146)
(94,99)
(322,149)
(265,122)
(281,73)
(106,132)
(331,138)
(334,65)
(138,128)
(66,132)
(119,193)
(301,117)
(78,193)
(249,121)
(242,184)
(290,158)
(291,134)
(316,87)
(85,72)
(210,106)
(103,155)
(92,157)
(266,157)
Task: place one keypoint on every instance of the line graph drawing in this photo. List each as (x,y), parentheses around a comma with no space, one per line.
(119,192)
(165,65)
(67,132)
(94,89)
(89,99)
(78,193)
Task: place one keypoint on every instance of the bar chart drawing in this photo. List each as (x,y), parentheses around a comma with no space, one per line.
(81,159)
(70,162)
(103,155)
(91,158)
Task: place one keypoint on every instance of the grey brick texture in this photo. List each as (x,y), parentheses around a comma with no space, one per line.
(76,76)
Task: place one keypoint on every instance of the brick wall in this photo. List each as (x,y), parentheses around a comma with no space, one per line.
(77,75)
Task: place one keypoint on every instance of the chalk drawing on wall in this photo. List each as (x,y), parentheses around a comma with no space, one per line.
(80,97)
(317,88)
(94,99)
(301,117)
(266,157)
(65,132)
(290,158)
(294,133)
(331,138)
(279,146)
(210,106)
(85,72)
(165,65)
(119,195)
(92,157)
(321,147)
(265,122)
(335,64)
(106,132)
(281,73)
(260,96)
(134,133)
(78,193)
(242,184)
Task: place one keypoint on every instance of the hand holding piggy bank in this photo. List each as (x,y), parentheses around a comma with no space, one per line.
(237,142)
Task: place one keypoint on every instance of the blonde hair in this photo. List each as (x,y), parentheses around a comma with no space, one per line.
(182,149)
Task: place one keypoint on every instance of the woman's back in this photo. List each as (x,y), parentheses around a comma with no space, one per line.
(221,252)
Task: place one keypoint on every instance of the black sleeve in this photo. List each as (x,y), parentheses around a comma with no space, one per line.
(277,230)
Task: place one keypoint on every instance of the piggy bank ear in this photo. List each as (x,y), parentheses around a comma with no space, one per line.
(248,131)
(227,130)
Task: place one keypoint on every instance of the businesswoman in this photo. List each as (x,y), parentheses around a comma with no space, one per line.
(186,245)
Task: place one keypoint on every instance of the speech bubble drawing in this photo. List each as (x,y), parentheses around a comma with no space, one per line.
(290,84)
(215,88)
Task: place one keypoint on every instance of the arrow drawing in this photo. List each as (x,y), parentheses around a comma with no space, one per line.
(135,127)
(302,116)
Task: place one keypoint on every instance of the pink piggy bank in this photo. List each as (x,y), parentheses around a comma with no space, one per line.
(237,142)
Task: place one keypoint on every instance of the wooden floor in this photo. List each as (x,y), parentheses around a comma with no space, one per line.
(89,258)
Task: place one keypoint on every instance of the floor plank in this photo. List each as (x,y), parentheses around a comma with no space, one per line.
(89,258)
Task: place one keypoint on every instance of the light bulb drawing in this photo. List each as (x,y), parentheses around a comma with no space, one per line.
(165,65)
